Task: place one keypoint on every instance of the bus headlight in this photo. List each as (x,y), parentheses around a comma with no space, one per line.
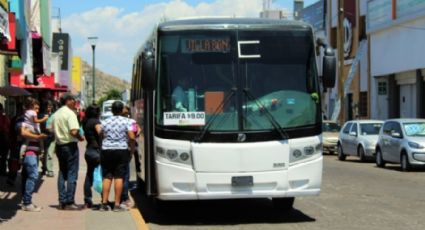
(309,150)
(319,147)
(174,156)
(160,151)
(184,156)
(299,153)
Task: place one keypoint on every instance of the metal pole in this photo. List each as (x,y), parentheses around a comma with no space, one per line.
(340,44)
(93,77)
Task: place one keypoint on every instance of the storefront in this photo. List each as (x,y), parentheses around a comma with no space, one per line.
(45,89)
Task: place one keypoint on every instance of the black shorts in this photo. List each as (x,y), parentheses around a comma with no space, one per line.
(114,162)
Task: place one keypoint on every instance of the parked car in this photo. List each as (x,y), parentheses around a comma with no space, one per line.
(402,141)
(330,133)
(107,109)
(358,138)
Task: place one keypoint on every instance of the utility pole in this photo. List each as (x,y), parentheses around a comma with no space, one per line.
(340,47)
(93,41)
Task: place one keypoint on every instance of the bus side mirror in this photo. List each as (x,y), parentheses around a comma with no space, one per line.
(329,68)
(148,71)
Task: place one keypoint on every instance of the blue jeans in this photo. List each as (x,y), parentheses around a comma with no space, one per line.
(29,178)
(68,157)
(92,158)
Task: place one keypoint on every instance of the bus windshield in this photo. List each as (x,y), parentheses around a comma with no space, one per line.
(236,77)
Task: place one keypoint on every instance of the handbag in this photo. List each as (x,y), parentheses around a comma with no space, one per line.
(93,155)
(97,179)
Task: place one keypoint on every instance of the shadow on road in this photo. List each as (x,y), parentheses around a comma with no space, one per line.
(397,168)
(10,197)
(214,212)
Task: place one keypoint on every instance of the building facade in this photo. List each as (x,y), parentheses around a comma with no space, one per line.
(26,51)
(397,30)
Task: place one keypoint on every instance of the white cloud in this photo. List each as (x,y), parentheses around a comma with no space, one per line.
(121,34)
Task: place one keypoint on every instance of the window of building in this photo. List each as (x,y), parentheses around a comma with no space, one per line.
(333,41)
(382,88)
(362,28)
(363,104)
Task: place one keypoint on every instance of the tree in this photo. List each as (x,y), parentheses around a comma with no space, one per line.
(112,94)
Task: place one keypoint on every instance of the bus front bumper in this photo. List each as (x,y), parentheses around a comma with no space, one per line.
(179,183)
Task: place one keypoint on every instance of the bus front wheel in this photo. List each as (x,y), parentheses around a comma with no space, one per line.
(285,203)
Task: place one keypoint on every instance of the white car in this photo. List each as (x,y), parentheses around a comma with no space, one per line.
(358,138)
(330,132)
(402,141)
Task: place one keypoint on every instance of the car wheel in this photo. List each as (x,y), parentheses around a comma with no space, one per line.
(379,161)
(341,155)
(284,204)
(405,164)
(361,154)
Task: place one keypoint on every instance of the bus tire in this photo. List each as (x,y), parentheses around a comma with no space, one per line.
(284,203)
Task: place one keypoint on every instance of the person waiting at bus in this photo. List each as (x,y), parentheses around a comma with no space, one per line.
(92,131)
(115,155)
(179,99)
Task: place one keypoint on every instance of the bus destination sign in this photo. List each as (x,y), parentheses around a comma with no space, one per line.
(206,45)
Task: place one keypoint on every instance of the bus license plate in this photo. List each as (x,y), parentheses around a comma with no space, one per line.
(239,181)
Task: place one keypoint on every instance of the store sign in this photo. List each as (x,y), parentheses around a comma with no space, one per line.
(4,24)
(4,4)
(348,37)
(61,46)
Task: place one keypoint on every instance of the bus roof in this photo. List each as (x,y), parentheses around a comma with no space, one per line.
(229,23)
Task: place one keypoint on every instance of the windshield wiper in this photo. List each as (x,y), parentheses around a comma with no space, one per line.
(215,115)
(270,117)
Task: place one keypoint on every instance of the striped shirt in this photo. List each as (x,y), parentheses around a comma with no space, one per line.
(31,144)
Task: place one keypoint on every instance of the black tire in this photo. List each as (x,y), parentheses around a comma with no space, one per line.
(404,163)
(283,204)
(341,155)
(379,161)
(361,154)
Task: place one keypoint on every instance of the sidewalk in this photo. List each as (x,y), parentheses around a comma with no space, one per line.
(46,195)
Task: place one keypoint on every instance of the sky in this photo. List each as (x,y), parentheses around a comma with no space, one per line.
(123,25)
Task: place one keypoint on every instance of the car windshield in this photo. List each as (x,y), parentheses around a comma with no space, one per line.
(330,127)
(370,128)
(416,129)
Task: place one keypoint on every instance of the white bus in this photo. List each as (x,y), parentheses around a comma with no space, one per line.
(250,123)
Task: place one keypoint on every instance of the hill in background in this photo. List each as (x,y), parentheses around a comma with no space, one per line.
(104,81)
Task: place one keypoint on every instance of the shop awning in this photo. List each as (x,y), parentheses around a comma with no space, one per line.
(45,82)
